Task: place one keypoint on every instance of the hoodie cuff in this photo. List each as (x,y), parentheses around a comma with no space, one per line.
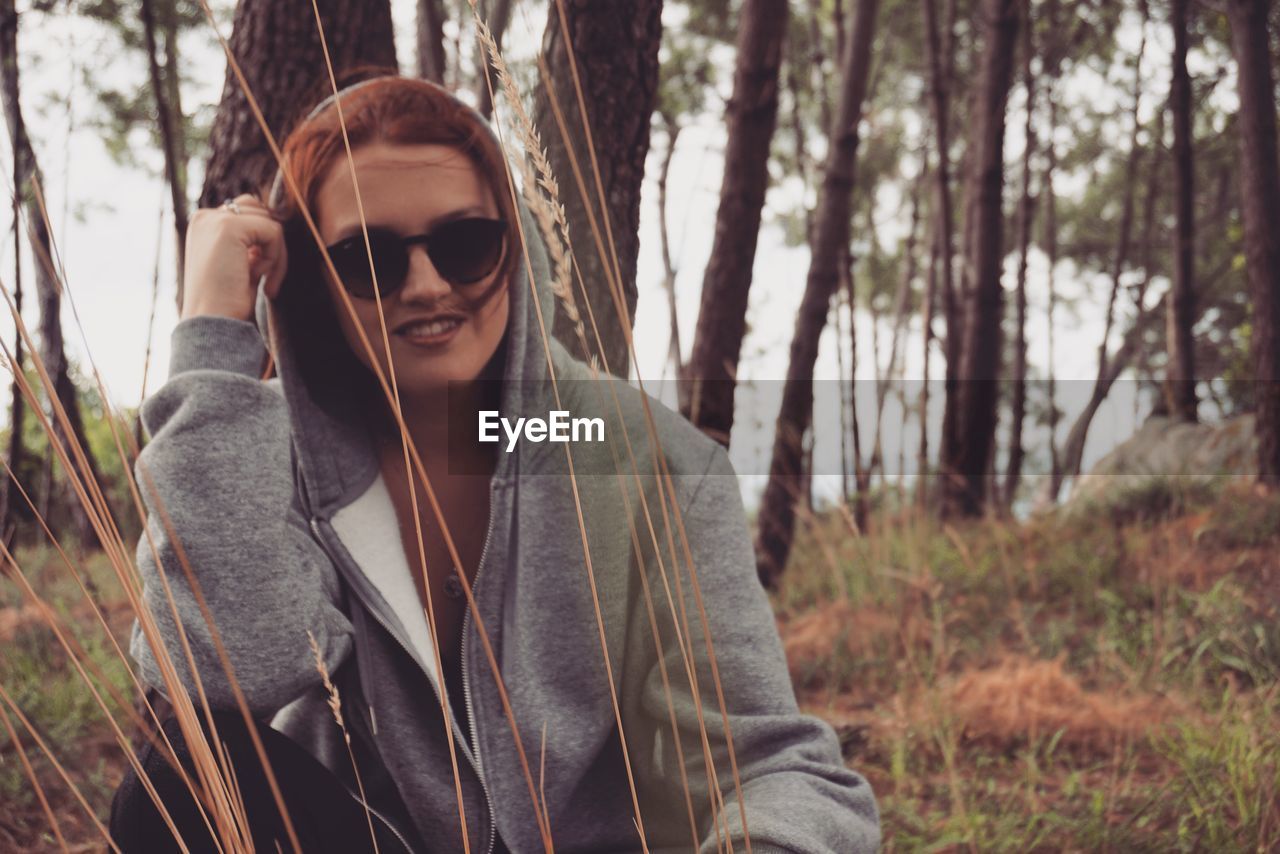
(211,342)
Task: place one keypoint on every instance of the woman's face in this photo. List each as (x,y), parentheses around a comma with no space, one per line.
(434,336)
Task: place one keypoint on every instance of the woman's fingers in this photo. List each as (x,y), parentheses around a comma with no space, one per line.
(229,249)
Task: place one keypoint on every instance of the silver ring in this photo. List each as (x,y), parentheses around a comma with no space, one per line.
(230,204)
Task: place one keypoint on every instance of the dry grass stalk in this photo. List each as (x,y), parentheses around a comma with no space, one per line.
(545,205)
(335,705)
(405,442)
(104,530)
(35,780)
(90,495)
(53,760)
(656,450)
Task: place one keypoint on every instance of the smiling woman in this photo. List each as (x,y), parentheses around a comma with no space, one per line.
(500,620)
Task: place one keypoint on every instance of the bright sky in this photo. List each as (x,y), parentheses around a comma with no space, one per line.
(107,230)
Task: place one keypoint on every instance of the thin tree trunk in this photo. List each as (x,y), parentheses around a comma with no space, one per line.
(964,472)
(939,48)
(749,124)
(1026,212)
(1073,449)
(930,297)
(169,120)
(1050,207)
(831,236)
(1180,388)
(615,53)
(901,304)
(278,47)
(48,290)
(497,18)
(1260,191)
(1107,371)
(664,238)
(430,41)
(17,405)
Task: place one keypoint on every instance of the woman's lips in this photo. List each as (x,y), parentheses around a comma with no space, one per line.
(430,333)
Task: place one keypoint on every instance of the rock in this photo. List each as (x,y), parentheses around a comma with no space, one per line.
(1199,454)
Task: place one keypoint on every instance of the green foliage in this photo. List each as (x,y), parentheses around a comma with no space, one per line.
(33,470)
(124,114)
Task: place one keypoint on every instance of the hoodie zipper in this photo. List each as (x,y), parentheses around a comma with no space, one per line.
(384,624)
(466,685)
(473,743)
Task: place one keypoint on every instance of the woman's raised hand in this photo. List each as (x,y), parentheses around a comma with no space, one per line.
(228,250)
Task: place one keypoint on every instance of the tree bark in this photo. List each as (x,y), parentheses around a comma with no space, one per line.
(169,119)
(901,305)
(722,315)
(48,289)
(1180,377)
(430,41)
(940,56)
(17,405)
(615,53)
(1026,212)
(278,47)
(1260,192)
(831,237)
(674,351)
(497,18)
(964,472)
(926,324)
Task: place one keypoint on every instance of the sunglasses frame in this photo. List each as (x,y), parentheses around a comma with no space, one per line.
(364,285)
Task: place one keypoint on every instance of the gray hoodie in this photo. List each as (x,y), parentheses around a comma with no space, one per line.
(276,499)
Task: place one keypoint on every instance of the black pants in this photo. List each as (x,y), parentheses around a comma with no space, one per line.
(326,817)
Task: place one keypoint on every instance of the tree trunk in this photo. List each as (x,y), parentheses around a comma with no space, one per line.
(926,324)
(169,119)
(1108,373)
(17,405)
(1073,450)
(278,47)
(1180,388)
(901,305)
(497,18)
(1260,191)
(48,289)
(939,48)
(615,62)
(674,350)
(964,472)
(749,123)
(831,237)
(430,41)
(1026,212)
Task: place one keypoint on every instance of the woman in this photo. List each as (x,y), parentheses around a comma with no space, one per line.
(292,505)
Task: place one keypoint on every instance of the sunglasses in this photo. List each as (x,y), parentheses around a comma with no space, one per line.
(463,251)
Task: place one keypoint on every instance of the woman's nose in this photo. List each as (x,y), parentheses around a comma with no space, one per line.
(422,282)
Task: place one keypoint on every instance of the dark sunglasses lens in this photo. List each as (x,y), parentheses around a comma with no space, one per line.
(467,250)
(351,260)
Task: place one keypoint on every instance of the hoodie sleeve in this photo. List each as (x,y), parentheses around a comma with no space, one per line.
(218,465)
(797,792)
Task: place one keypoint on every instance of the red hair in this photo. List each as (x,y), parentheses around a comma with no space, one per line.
(396,110)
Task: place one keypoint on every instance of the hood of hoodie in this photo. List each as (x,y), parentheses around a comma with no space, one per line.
(334,455)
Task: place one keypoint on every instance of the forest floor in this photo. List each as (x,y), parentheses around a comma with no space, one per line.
(1104,679)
